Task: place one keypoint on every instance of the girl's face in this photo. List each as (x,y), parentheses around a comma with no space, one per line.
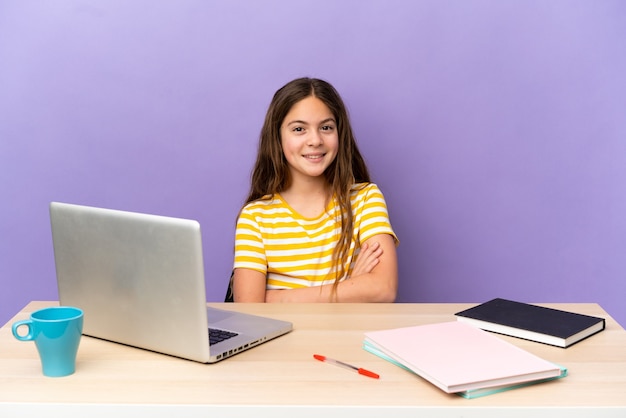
(309,138)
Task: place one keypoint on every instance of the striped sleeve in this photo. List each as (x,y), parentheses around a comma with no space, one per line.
(249,248)
(371,215)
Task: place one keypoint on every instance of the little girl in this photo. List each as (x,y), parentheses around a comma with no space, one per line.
(313,228)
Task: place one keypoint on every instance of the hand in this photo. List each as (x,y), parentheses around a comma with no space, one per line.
(367,259)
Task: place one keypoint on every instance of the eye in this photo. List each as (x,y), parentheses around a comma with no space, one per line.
(298,129)
(328,128)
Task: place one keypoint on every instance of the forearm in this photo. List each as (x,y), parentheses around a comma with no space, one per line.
(378,283)
(370,287)
(305,294)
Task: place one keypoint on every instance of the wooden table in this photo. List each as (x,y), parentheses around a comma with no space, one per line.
(281,379)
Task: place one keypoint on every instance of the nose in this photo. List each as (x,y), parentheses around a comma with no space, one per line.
(315,139)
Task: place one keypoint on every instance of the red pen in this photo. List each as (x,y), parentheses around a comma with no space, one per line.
(359,370)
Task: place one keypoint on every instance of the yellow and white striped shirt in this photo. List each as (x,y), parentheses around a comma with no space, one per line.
(294,251)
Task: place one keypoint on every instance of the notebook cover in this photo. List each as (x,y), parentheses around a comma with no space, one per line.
(458,357)
(561,325)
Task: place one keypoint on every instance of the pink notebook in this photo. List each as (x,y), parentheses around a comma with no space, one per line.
(458,357)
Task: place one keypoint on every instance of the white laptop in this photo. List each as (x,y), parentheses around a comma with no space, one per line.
(140,281)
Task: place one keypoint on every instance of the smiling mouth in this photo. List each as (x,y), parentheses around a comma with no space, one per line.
(314,156)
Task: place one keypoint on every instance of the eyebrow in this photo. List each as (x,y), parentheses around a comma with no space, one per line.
(306,123)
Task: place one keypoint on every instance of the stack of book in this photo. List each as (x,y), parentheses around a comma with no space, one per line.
(460,358)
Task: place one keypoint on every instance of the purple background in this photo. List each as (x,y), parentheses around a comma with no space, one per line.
(496,130)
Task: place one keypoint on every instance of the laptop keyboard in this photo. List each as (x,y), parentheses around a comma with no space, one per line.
(219,335)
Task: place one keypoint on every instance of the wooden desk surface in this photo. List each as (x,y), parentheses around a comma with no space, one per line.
(279,377)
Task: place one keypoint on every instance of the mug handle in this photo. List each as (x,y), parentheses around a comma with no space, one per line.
(26,323)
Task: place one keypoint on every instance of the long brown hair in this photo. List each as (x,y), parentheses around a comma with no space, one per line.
(271,173)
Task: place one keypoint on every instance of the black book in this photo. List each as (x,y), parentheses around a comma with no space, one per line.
(532,322)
